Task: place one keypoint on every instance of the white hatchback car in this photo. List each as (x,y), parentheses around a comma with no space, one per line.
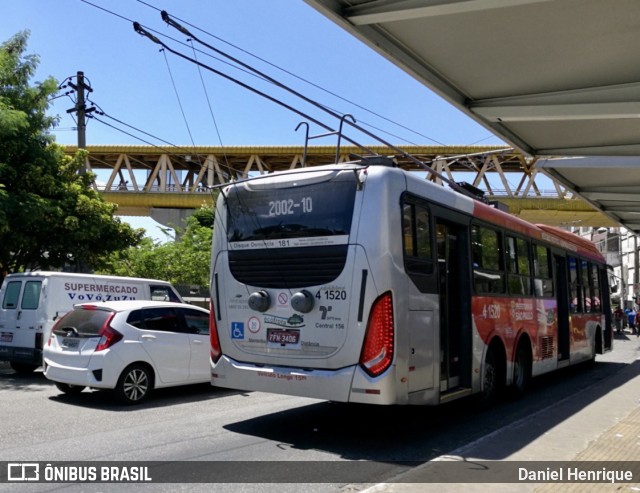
(129,346)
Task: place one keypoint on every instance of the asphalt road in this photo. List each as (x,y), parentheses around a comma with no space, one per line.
(201,423)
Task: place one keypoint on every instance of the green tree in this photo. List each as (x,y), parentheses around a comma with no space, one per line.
(186,260)
(49,214)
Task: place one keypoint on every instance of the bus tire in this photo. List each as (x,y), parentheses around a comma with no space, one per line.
(596,347)
(521,371)
(69,389)
(24,368)
(135,384)
(492,379)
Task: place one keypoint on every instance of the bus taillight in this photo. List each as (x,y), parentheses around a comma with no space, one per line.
(216,350)
(377,350)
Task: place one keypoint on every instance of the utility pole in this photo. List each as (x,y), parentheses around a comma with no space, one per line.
(81,110)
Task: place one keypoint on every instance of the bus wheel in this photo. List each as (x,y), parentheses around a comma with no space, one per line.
(22,367)
(596,347)
(69,389)
(491,379)
(521,372)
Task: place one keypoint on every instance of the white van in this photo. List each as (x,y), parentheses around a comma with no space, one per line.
(32,302)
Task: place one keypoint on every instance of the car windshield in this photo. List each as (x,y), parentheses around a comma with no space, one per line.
(85,322)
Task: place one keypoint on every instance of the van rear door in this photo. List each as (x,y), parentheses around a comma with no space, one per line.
(21,321)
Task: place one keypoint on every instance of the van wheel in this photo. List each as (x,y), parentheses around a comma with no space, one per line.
(23,367)
(69,389)
(135,384)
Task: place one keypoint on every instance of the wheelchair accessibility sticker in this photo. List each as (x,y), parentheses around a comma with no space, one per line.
(237,330)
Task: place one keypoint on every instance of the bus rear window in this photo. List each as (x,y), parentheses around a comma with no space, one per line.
(306,211)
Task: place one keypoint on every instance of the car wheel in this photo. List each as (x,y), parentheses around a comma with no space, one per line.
(135,384)
(23,367)
(69,389)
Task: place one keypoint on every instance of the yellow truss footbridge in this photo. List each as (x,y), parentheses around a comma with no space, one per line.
(144,179)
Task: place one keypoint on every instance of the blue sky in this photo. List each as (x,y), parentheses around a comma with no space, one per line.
(136,83)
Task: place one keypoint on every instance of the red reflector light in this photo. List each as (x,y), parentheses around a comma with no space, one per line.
(377,350)
(216,350)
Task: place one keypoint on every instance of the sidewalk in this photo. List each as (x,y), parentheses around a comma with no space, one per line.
(606,429)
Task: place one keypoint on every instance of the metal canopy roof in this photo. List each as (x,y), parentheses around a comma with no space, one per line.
(551,77)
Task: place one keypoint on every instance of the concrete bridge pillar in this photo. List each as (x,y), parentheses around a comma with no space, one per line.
(171,218)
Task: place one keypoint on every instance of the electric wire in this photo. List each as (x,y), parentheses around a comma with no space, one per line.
(172,149)
(139,29)
(175,89)
(206,93)
(265,61)
(230,170)
(101,112)
(306,81)
(160,148)
(199,65)
(145,32)
(93,117)
(167,18)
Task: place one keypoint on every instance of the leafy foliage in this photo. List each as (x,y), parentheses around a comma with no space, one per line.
(186,260)
(50,216)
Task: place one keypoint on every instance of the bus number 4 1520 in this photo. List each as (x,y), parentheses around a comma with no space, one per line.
(332,294)
(491,311)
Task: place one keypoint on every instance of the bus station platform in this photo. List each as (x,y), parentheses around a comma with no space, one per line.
(604,433)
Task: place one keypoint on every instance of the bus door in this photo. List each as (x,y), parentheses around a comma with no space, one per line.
(455,301)
(562,281)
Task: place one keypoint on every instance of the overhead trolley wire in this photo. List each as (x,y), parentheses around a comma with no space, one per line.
(175,89)
(140,30)
(306,81)
(206,94)
(269,63)
(167,18)
(226,164)
(146,32)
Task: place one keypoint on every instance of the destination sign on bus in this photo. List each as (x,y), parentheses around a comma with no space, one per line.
(319,210)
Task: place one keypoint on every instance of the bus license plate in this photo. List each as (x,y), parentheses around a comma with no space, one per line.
(6,337)
(70,343)
(283,337)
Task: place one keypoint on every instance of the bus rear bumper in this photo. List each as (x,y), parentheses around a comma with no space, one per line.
(333,385)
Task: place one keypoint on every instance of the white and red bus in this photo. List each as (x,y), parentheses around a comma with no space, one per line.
(366,283)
